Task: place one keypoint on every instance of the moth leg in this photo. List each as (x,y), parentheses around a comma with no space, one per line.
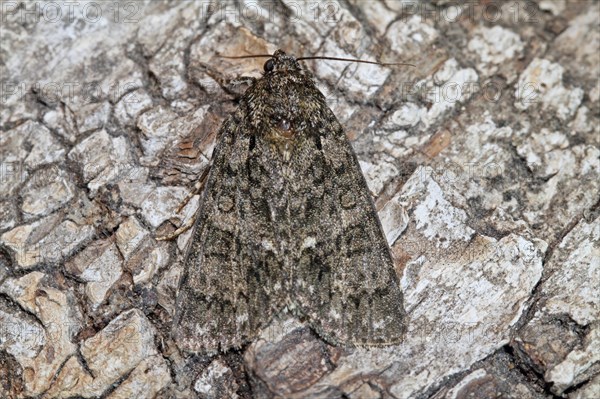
(187,225)
(197,190)
(180,230)
(236,86)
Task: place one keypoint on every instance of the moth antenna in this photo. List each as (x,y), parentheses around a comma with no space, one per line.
(355,60)
(245,56)
(321,58)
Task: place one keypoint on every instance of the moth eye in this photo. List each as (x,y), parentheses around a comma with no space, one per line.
(269,65)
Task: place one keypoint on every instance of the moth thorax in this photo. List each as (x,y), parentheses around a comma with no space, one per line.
(284,128)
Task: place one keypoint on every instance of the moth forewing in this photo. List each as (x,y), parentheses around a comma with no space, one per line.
(286,222)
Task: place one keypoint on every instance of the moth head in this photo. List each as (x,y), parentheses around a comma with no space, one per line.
(280,61)
(282,102)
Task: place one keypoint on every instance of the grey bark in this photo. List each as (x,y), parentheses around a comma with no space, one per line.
(484,162)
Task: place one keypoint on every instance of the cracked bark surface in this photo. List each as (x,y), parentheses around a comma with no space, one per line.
(483,161)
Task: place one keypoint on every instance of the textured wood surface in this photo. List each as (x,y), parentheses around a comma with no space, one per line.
(483,161)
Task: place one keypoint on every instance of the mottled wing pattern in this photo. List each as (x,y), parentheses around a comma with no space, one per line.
(345,281)
(231,285)
(286,220)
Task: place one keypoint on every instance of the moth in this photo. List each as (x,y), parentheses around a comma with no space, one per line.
(286,223)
